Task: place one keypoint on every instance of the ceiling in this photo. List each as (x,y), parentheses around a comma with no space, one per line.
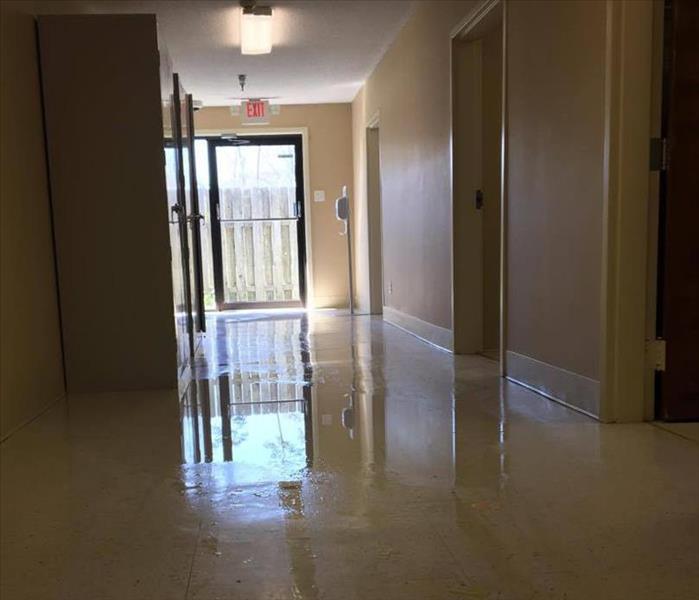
(323,49)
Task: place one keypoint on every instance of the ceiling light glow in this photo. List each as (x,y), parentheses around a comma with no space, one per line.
(256,30)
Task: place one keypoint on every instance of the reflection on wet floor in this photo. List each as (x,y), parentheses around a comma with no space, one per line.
(318,456)
(257,410)
(217,428)
(252,399)
(385,465)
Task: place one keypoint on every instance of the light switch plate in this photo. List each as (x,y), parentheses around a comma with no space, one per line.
(319,196)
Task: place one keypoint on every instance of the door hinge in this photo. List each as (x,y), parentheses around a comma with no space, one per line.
(658,154)
(655,353)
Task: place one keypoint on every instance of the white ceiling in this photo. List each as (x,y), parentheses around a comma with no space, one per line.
(323,49)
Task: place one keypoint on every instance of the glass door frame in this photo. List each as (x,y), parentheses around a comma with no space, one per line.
(181,208)
(295,140)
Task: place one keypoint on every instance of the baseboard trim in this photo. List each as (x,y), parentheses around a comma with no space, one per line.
(30,420)
(565,387)
(434,335)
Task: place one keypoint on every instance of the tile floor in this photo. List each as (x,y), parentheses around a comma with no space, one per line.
(322,457)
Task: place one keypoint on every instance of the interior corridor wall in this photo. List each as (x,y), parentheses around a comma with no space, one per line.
(555,136)
(105,144)
(330,167)
(410,90)
(554,175)
(31,371)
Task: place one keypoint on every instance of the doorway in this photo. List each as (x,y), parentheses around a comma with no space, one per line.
(477,125)
(257,221)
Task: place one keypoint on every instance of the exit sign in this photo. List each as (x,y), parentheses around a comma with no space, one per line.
(254,112)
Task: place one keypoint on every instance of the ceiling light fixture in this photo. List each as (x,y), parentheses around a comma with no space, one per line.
(255,29)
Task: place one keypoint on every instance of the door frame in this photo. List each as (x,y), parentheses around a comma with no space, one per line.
(627,187)
(303,132)
(480,15)
(176,108)
(194,223)
(268,139)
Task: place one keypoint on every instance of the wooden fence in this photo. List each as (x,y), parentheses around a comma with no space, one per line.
(259,244)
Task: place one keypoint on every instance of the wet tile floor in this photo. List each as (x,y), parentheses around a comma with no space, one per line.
(318,456)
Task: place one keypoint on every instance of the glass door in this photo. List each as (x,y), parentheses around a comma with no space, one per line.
(258,231)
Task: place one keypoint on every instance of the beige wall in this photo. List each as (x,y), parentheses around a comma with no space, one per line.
(556,71)
(330,167)
(410,89)
(556,76)
(105,138)
(31,371)
(556,79)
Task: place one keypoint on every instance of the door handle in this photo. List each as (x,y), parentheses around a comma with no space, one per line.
(479,199)
(195,217)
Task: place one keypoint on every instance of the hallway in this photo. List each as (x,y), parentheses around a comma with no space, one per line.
(356,462)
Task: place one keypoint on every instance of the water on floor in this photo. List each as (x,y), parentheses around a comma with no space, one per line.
(320,456)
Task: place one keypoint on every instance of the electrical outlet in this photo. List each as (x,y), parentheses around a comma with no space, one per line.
(390,287)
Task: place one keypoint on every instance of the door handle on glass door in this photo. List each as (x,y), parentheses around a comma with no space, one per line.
(195,217)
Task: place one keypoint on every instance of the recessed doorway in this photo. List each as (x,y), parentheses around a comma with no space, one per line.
(477,123)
